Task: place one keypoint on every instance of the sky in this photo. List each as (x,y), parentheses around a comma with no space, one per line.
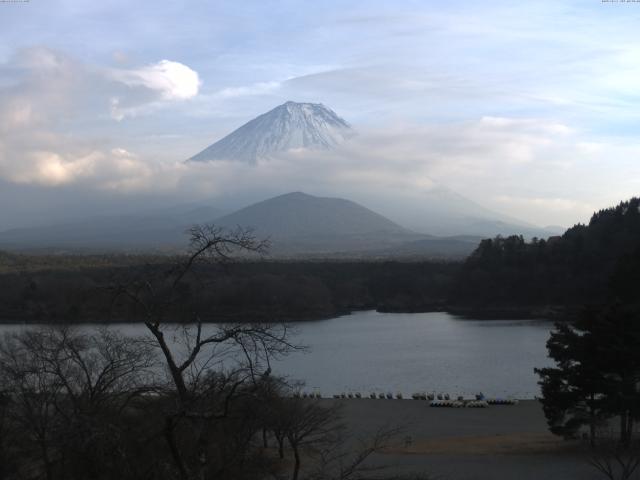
(527,108)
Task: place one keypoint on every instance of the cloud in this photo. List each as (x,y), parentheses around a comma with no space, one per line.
(539,207)
(50,94)
(169,81)
(387,169)
(260,88)
(400,170)
(17,113)
(526,124)
(49,168)
(43,59)
(46,84)
(115,169)
(536,162)
(172,80)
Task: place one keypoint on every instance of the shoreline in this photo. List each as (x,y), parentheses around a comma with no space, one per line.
(551,313)
(498,442)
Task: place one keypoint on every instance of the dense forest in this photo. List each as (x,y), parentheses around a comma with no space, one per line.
(589,264)
(228,292)
(504,276)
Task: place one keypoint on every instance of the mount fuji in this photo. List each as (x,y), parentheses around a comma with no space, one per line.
(436,210)
(289,126)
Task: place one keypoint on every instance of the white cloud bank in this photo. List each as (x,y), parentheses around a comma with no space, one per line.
(173,80)
(49,94)
(543,171)
(170,80)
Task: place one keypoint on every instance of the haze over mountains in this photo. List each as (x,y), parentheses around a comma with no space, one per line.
(298,214)
(433,222)
(153,230)
(435,210)
(439,210)
(297,224)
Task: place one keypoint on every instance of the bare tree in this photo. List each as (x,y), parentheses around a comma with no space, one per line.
(346,459)
(93,369)
(97,404)
(8,434)
(33,394)
(614,459)
(308,427)
(237,354)
(67,390)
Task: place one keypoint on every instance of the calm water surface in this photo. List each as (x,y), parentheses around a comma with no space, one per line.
(370,351)
(381,352)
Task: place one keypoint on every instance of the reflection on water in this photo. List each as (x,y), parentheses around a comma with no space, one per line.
(370,351)
(383,352)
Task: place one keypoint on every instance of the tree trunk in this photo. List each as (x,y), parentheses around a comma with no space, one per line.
(280,446)
(265,443)
(175,453)
(296,465)
(592,424)
(624,429)
(47,462)
(175,372)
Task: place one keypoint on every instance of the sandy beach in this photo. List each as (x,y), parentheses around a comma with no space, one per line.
(499,442)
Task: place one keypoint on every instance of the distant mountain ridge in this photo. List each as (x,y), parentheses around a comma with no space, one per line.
(441,211)
(298,225)
(289,126)
(299,214)
(153,230)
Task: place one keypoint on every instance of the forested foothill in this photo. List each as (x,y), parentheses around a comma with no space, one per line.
(504,277)
(249,290)
(589,265)
(592,390)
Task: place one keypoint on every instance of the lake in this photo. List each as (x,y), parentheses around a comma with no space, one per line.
(370,351)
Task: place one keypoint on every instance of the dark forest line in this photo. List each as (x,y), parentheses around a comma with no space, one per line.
(503,278)
(244,291)
(588,265)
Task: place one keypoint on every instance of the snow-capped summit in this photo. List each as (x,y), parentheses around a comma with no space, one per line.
(289,126)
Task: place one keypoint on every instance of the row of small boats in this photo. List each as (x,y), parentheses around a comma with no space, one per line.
(477,403)
(459,403)
(435,399)
(430,396)
(387,396)
(297,394)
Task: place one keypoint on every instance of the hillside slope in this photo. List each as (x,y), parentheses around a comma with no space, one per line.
(289,126)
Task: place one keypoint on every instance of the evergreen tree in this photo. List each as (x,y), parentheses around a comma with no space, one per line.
(573,392)
(596,375)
